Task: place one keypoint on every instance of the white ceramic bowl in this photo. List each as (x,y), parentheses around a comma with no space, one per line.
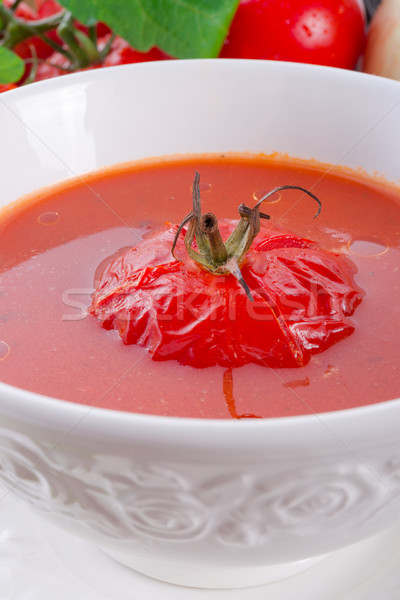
(197,502)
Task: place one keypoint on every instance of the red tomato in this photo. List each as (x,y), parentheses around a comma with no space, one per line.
(121,53)
(32,48)
(324,32)
(302,295)
(55,65)
(47,8)
(23,10)
(5,87)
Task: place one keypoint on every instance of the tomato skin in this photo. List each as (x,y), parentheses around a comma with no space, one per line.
(47,8)
(324,32)
(5,87)
(121,53)
(178,311)
(23,10)
(55,65)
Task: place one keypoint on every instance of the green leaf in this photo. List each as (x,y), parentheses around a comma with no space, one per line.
(11,66)
(181,28)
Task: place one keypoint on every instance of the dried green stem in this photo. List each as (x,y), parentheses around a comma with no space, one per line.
(213,253)
(209,228)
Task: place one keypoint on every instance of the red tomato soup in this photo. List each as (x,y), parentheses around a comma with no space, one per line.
(52,244)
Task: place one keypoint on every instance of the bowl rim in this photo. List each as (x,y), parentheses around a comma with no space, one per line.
(190,63)
(362,425)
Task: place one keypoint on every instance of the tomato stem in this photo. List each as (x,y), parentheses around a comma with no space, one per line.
(213,253)
(16,30)
(67,33)
(15,4)
(287,187)
(81,49)
(209,227)
(105,51)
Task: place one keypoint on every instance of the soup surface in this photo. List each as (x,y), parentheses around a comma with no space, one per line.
(52,244)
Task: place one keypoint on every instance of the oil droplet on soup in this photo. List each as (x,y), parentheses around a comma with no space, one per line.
(4,350)
(274,199)
(204,187)
(368,248)
(49,218)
